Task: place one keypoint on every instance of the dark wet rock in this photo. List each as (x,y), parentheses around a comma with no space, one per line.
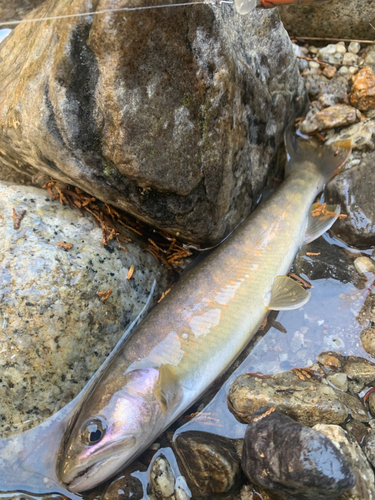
(126,486)
(176,115)
(305,399)
(369,446)
(293,461)
(357,429)
(360,371)
(318,85)
(209,462)
(364,476)
(353,189)
(332,262)
(162,477)
(55,330)
(349,19)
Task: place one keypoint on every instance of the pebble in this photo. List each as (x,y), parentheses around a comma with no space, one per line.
(357,429)
(361,135)
(329,71)
(363,89)
(337,115)
(364,265)
(368,340)
(319,84)
(350,59)
(314,64)
(329,54)
(290,460)
(339,380)
(348,446)
(369,446)
(162,478)
(340,48)
(371,403)
(306,400)
(354,47)
(125,486)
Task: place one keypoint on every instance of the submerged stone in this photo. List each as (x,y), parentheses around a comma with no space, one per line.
(293,461)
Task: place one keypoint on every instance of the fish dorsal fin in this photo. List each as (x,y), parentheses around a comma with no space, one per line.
(320,219)
(287,294)
(167,388)
(327,160)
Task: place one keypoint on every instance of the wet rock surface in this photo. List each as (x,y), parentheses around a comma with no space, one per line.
(364,488)
(298,395)
(334,116)
(210,463)
(176,116)
(55,328)
(127,486)
(353,190)
(293,461)
(162,478)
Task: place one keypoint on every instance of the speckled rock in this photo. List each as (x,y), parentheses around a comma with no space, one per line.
(361,135)
(333,18)
(364,488)
(13,10)
(357,429)
(209,462)
(368,340)
(330,54)
(369,447)
(363,89)
(55,331)
(293,461)
(337,115)
(302,398)
(353,189)
(176,115)
(318,85)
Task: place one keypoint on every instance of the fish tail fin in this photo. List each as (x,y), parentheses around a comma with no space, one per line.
(326,160)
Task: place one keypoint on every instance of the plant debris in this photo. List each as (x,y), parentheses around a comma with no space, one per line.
(17,218)
(104,295)
(66,246)
(162,246)
(130,272)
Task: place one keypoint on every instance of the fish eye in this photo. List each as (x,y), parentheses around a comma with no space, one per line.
(93,430)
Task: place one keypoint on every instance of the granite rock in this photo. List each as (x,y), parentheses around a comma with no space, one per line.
(333,18)
(55,331)
(293,461)
(353,189)
(364,488)
(176,115)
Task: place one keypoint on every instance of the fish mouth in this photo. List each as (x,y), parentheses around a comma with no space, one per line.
(87,477)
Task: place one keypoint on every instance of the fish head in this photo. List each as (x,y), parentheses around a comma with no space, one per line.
(110,430)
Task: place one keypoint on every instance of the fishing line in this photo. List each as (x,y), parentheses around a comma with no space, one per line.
(106,11)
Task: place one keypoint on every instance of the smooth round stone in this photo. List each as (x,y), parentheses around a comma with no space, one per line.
(162,477)
(354,47)
(339,380)
(340,48)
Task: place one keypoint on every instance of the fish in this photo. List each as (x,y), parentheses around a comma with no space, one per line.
(197,331)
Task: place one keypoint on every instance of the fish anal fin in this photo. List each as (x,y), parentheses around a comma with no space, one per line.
(287,294)
(320,219)
(166,390)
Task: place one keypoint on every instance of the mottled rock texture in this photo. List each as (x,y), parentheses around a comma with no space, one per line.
(173,114)
(13,10)
(353,189)
(332,18)
(55,331)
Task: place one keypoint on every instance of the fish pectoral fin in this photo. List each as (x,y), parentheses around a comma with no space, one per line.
(167,388)
(287,294)
(320,219)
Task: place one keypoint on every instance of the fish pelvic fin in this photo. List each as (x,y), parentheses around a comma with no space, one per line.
(167,389)
(320,219)
(325,160)
(287,294)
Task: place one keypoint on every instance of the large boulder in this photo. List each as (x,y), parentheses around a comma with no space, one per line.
(332,18)
(174,114)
